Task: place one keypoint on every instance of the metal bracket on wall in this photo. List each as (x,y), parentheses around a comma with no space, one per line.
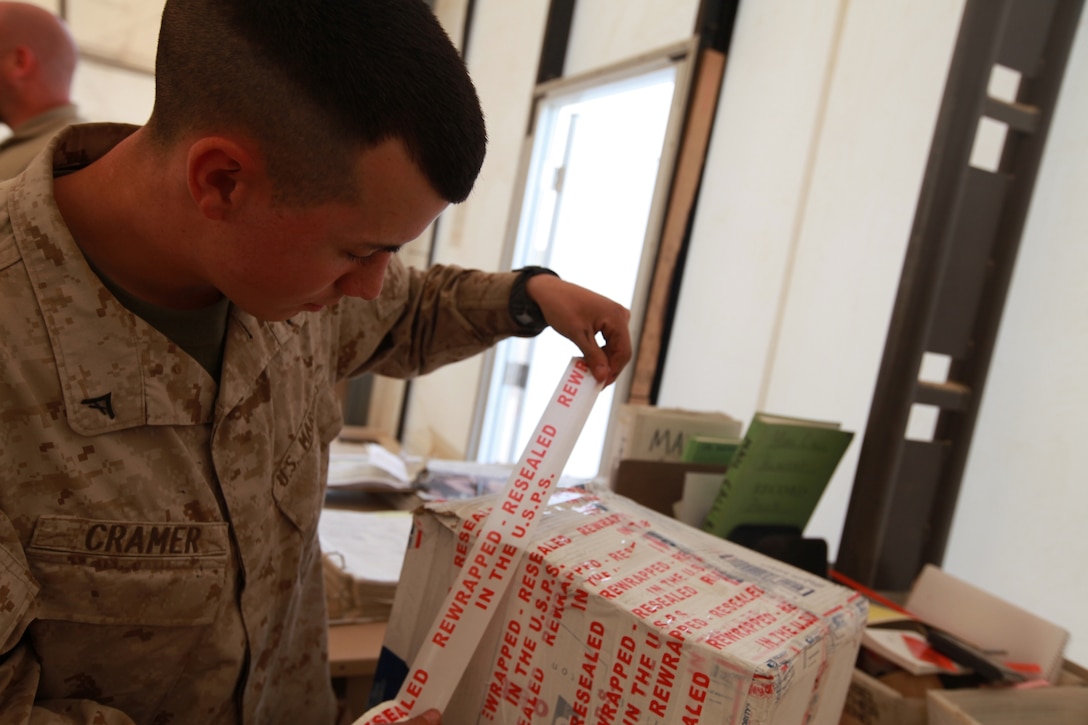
(955,278)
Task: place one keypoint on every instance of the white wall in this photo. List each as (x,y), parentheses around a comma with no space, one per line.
(604,32)
(758,169)
(813,175)
(104,93)
(1019,529)
(124,30)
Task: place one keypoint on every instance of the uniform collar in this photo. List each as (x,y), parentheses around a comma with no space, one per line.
(115,370)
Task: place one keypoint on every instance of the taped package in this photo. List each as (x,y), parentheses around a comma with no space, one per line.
(617,614)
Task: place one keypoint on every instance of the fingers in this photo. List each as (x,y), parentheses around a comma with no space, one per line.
(607,362)
(597,361)
(616,352)
(617,347)
(579,315)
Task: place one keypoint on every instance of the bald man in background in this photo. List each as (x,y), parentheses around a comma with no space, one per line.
(37,62)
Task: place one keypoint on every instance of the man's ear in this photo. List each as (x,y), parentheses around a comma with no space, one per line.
(18,62)
(222,175)
(24,58)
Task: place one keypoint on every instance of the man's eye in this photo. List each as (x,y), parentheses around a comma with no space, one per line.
(357,259)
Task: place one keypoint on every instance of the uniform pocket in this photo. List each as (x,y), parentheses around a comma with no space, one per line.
(129,572)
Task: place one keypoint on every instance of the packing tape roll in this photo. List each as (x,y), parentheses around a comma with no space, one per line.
(490,565)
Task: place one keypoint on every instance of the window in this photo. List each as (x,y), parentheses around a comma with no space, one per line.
(599,152)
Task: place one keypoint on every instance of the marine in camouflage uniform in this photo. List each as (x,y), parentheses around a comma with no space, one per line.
(159,559)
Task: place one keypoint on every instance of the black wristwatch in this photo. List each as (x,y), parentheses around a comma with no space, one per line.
(522,308)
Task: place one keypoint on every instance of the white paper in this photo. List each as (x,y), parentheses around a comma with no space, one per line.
(700,490)
(362,464)
(371,544)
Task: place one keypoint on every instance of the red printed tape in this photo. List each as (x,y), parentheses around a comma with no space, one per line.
(489,566)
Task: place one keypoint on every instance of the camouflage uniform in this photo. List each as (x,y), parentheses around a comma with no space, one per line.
(158,531)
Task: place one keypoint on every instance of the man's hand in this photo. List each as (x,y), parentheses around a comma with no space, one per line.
(578,314)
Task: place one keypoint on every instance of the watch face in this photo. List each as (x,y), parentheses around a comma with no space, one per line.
(526,312)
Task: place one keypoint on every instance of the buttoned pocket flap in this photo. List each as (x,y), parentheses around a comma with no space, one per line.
(160,573)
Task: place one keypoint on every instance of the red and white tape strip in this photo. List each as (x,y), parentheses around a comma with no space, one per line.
(494,557)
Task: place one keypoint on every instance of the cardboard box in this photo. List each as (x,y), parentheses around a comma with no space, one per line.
(1050,705)
(940,599)
(618,614)
(873,702)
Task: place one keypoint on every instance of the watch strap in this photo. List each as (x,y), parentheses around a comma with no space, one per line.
(523,309)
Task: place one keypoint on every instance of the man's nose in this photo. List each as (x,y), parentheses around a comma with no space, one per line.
(366,279)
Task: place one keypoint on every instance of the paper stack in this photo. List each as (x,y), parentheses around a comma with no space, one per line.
(363,555)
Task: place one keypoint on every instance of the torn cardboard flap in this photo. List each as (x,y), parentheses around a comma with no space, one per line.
(618,614)
(941,600)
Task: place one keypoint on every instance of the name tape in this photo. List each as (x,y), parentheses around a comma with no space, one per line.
(495,555)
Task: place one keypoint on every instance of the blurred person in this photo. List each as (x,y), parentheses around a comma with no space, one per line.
(37,62)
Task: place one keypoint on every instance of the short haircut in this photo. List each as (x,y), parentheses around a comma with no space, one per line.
(315,82)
